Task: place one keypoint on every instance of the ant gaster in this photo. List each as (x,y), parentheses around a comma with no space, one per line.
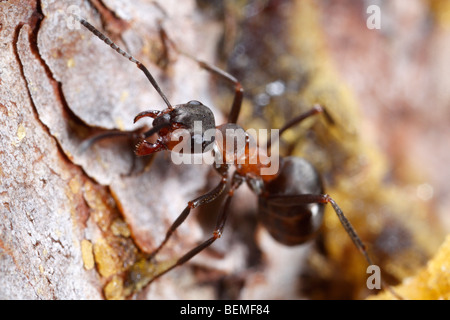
(290,203)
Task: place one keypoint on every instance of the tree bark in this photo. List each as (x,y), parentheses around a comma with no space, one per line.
(64,211)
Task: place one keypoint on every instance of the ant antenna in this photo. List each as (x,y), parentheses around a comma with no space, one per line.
(109,42)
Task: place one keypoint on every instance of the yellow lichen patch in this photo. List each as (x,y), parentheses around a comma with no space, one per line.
(124,96)
(74,185)
(113,250)
(441,10)
(71,63)
(108,262)
(73,188)
(21,132)
(144,271)
(120,228)
(98,203)
(431,283)
(114,289)
(87,254)
(93,198)
(119,123)
(20,135)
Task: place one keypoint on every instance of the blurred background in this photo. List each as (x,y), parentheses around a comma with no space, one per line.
(387,88)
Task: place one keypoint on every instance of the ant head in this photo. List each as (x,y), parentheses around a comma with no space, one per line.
(196,120)
(186,128)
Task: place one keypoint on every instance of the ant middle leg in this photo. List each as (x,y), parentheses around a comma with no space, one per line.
(316,109)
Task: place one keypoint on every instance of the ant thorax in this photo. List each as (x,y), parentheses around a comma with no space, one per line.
(234,146)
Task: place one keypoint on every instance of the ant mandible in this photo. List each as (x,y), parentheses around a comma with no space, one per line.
(291,202)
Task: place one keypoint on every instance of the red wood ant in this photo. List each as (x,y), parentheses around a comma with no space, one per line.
(291,202)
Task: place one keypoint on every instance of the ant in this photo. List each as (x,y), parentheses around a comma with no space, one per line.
(291,201)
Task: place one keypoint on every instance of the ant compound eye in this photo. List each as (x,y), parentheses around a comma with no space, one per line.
(194,103)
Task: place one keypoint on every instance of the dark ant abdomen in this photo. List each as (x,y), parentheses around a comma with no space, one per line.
(292,225)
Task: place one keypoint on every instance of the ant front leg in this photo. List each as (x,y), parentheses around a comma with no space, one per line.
(88,143)
(204,199)
(218,230)
(130,138)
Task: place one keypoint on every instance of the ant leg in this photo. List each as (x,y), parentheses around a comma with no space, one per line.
(86,144)
(204,199)
(117,133)
(238,89)
(218,230)
(130,136)
(291,200)
(316,109)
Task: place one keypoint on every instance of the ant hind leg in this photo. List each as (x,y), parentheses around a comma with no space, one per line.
(292,200)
